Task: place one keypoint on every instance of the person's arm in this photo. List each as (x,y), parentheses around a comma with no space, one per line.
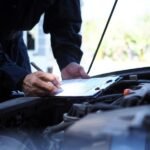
(63,21)
(11,75)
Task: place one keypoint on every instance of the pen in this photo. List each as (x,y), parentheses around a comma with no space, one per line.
(50,69)
(36,67)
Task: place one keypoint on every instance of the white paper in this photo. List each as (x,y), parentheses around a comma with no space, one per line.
(85,87)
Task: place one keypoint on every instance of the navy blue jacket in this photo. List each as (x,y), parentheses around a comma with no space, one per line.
(62,19)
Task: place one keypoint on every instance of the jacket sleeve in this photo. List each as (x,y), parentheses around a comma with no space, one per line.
(63,21)
(11,75)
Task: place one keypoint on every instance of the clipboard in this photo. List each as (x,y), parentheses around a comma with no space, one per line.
(85,87)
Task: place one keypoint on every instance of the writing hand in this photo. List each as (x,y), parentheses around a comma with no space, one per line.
(40,84)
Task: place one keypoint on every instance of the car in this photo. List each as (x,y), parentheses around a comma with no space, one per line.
(118,115)
(115,117)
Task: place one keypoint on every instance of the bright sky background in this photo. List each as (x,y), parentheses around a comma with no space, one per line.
(126,12)
(125,8)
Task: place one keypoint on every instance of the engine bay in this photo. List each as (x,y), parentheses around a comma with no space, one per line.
(47,122)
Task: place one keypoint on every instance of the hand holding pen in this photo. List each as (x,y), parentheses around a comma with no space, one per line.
(40,83)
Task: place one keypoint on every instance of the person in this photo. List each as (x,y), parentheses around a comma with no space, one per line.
(62,20)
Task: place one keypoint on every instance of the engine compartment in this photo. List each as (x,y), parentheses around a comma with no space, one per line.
(41,122)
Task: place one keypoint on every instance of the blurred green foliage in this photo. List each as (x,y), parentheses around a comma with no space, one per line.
(121,42)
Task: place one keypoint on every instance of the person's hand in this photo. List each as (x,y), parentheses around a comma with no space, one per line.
(72,71)
(40,84)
